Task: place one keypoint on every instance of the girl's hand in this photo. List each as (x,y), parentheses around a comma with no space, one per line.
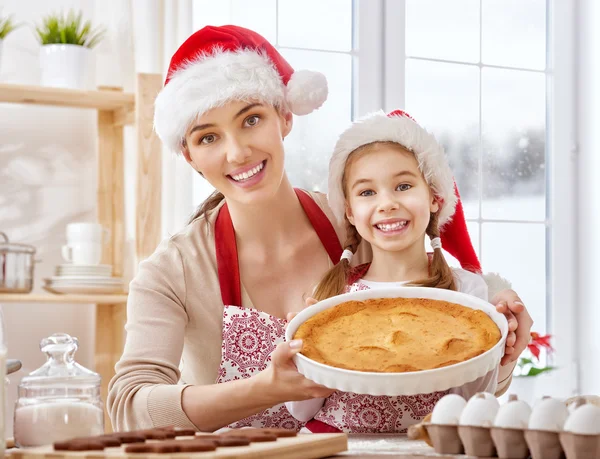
(507,302)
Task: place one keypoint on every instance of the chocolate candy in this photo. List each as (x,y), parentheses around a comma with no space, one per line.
(279,432)
(156,434)
(129,437)
(231,440)
(254,435)
(79,445)
(109,441)
(194,446)
(157,447)
(181,432)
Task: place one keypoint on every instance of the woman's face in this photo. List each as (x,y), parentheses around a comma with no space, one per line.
(238,148)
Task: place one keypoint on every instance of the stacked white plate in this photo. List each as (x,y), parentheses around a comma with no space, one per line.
(84,279)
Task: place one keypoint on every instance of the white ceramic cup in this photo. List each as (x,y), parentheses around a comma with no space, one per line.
(82,253)
(86,233)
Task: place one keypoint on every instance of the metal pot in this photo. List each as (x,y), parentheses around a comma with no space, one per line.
(16,266)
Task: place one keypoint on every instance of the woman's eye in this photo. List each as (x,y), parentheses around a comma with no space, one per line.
(404,187)
(367,193)
(252,120)
(207,139)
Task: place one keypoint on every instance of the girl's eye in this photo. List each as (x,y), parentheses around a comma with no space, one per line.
(252,120)
(208,139)
(367,193)
(404,187)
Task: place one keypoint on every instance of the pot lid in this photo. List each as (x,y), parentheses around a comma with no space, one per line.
(7,246)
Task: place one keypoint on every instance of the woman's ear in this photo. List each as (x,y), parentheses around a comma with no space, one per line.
(186,152)
(287,122)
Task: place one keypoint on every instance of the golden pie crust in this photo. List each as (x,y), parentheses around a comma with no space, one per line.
(396,335)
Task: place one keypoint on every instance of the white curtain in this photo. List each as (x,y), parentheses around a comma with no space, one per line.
(159,28)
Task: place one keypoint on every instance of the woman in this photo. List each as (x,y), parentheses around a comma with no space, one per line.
(214,297)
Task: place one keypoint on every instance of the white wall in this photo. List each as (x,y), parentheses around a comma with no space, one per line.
(589,195)
(48,174)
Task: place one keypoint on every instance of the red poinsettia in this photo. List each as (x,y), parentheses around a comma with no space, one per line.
(539,342)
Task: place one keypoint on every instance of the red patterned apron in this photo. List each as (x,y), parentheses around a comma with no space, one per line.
(250,335)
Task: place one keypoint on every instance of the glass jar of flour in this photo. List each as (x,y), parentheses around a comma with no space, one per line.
(60,400)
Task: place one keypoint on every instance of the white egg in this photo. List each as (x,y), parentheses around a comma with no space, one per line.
(480,411)
(447,410)
(584,420)
(513,415)
(548,414)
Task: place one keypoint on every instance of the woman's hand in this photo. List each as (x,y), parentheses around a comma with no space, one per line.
(284,380)
(507,302)
(283,377)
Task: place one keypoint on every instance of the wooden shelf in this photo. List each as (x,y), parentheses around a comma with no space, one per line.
(70,298)
(41,95)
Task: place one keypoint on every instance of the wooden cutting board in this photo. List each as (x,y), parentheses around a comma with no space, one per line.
(308,446)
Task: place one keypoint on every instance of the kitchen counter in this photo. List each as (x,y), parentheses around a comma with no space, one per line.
(377,446)
(389,447)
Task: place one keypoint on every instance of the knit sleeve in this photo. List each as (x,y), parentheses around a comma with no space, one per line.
(144,392)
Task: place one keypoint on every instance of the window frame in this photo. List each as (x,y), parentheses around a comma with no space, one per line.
(561,182)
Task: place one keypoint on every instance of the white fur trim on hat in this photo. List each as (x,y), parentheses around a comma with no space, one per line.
(378,127)
(211,80)
(208,82)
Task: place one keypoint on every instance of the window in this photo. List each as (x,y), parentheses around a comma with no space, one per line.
(492,79)
(305,35)
(480,86)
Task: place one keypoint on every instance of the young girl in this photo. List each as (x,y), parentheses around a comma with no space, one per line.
(390,183)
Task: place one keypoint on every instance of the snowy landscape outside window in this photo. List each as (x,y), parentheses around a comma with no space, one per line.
(479,84)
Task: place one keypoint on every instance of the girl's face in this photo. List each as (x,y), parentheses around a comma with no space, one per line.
(238,148)
(387,198)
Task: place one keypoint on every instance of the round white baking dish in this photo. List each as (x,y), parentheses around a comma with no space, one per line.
(411,383)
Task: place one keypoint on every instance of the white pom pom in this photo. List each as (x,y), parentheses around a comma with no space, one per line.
(306,91)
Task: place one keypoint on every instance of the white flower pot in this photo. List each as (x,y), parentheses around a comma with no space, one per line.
(1,42)
(65,66)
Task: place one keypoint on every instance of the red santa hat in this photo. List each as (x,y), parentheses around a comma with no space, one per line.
(219,64)
(400,128)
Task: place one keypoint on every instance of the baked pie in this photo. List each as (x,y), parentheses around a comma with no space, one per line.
(396,335)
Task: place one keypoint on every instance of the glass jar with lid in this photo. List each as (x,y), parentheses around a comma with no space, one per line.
(60,400)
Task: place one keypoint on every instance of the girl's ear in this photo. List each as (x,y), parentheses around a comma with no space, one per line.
(349,215)
(435,204)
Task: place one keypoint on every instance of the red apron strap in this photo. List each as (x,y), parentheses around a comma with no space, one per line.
(322,225)
(316,426)
(227,259)
(226,249)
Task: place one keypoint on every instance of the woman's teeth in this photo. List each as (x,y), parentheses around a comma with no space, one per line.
(246,175)
(391,226)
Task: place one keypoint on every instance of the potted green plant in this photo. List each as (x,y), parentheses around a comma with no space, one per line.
(530,365)
(7,25)
(67,41)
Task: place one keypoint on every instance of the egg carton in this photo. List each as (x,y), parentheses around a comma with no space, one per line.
(481,428)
